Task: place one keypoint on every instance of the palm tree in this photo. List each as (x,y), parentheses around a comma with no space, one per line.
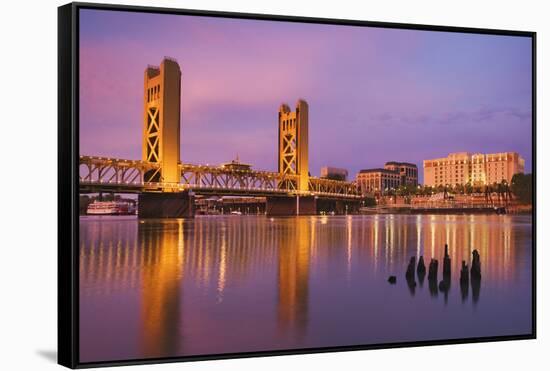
(468,189)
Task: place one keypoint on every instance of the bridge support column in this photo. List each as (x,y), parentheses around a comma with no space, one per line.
(291,205)
(166,205)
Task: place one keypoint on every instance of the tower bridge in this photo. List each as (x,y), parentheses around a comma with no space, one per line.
(167,187)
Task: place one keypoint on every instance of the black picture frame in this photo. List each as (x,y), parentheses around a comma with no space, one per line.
(68,152)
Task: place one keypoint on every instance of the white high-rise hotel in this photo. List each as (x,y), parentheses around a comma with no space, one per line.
(476,169)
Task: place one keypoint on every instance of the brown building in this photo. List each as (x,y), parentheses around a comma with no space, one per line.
(407,171)
(392,176)
(476,169)
(378,180)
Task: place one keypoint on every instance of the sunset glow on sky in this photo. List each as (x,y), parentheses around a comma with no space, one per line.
(374,94)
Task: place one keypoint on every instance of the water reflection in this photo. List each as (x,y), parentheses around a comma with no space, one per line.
(233,284)
(476,289)
(293,278)
(161,273)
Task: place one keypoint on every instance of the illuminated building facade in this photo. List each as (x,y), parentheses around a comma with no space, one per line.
(378,180)
(407,171)
(476,169)
(392,176)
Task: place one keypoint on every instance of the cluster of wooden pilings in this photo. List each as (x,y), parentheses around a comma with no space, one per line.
(468,275)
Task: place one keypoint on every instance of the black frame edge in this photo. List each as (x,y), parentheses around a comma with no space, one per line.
(67,330)
(299,19)
(534,182)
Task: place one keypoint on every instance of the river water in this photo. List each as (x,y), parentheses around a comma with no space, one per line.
(225,284)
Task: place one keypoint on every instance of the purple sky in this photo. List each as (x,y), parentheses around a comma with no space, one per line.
(374,95)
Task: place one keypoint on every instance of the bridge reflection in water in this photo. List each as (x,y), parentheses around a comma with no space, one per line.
(210,285)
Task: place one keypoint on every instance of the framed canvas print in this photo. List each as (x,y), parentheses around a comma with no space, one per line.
(236,185)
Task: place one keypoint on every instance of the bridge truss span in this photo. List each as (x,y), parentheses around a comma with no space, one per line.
(322,186)
(219,179)
(102,174)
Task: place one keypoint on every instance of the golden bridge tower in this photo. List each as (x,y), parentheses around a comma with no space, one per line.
(161,123)
(293,143)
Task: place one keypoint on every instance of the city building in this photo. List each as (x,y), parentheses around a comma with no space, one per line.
(378,180)
(407,171)
(392,176)
(334,173)
(476,169)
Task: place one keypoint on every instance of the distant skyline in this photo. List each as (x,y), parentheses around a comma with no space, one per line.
(374,94)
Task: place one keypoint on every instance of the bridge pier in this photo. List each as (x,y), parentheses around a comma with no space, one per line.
(291,205)
(166,205)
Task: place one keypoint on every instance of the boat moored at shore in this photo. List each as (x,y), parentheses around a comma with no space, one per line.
(111,208)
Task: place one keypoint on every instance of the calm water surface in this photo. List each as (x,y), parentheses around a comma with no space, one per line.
(220,284)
